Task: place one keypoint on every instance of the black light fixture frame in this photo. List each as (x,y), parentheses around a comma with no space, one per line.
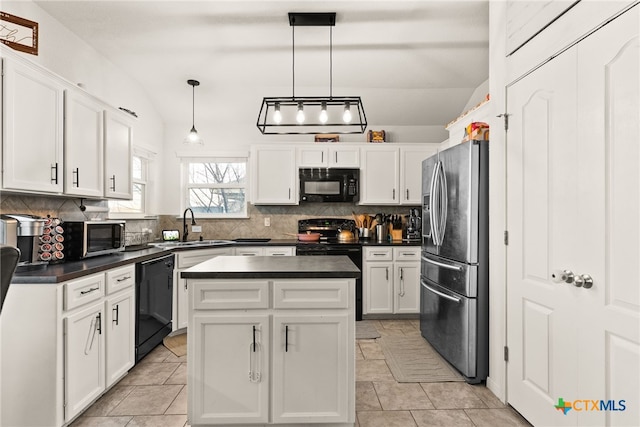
(193,83)
(358,123)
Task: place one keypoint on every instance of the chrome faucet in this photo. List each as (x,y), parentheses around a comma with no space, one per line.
(185,228)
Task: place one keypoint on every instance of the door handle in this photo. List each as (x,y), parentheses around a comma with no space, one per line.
(584,280)
(445,296)
(443,265)
(560,276)
(76,181)
(286,338)
(117,314)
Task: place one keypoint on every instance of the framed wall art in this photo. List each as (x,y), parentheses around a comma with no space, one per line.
(19,33)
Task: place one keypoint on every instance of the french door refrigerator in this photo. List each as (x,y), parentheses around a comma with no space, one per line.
(454,291)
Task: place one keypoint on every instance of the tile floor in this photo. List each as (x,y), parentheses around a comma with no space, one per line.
(153,394)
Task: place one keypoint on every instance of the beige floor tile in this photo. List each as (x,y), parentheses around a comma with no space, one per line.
(101,422)
(496,417)
(442,418)
(148,400)
(175,359)
(110,400)
(179,404)
(359,355)
(366,397)
(395,396)
(397,324)
(487,397)
(179,376)
(149,373)
(158,421)
(373,370)
(158,354)
(392,332)
(452,395)
(385,419)
(371,349)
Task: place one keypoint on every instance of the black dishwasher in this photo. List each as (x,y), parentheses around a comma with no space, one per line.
(154,302)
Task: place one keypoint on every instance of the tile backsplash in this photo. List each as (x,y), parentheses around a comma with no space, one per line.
(283,219)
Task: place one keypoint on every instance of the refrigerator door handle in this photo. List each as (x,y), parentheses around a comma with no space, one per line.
(440,294)
(432,204)
(443,265)
(442,216)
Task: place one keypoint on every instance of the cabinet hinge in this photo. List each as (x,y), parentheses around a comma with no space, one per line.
(505,116)
(506,353)
(506,237)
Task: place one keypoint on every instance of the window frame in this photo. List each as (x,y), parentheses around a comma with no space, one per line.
(146,156)
(235,157)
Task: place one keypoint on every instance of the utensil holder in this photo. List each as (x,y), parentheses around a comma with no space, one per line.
(396,235)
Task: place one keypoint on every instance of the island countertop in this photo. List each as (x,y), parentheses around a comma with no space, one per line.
(243,267)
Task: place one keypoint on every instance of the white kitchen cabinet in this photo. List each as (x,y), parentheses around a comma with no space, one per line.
(118,152)
(80,341)
(184,260)
(83,145)
(332,157)
(391,280)
(411,172)
(234,381)
(120,325)
(274,175)
(303,331)
(265,250)
(380,176)
(84,362)
(32,128)
(310,359)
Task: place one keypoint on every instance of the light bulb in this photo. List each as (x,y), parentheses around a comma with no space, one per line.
(193,137)
(346,117)
(277,115)
(300,115)
(323,114)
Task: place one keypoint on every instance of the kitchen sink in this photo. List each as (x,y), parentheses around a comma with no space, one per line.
(193,243)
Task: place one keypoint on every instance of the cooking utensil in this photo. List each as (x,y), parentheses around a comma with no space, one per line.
(306,237)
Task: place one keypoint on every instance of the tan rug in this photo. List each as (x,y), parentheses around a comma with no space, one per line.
(177,344)
(413,360)
(366,330)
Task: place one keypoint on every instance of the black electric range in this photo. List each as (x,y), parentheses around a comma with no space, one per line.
(330,245)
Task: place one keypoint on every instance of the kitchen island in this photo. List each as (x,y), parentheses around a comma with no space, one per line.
(271,341)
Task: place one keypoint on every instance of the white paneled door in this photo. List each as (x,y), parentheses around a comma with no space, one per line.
(574,234)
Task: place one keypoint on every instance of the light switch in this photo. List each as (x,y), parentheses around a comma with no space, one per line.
(267,222)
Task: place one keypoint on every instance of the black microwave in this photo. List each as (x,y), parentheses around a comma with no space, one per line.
(329,185)
(84,239)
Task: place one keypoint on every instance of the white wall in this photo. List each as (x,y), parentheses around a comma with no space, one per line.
(65,54)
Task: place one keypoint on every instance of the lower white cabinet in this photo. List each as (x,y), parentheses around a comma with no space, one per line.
(265,251)
(271,352)
(184,260)
(391,280)
(79,340)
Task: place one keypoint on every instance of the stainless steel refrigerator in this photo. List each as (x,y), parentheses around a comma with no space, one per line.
(454,291)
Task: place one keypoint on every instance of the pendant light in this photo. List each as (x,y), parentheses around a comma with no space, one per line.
(193,137)
(312,114)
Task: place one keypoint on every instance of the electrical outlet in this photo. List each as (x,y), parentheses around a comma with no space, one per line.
(267,222)
(196,228)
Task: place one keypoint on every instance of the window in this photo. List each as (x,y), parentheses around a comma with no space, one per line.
(137,205)
(216,187)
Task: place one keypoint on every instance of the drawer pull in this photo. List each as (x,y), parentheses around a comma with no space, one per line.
(122,279)
(440,294)
(88,291)
(443,265)
(379,254)
(408,253)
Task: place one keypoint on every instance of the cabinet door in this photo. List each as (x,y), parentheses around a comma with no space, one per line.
(118,146)
(120,335)
(344,157)
(310,356)
(32,132)
(84,358)
(228,377)
(83,153)
(379,287)
(249,251)
(314,156)
(379,176)
(406,297)
(411,173)
(275,176)
(182,297)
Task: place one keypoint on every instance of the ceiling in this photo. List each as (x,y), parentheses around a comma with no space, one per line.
(414,63)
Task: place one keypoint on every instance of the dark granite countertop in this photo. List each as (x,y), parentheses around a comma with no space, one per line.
(265,267)
(57,273)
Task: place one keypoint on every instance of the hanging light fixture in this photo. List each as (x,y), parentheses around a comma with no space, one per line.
(193,137)
(312,114)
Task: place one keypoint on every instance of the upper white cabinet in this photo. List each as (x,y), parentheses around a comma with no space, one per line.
(411,172)
(275,175)
(83,142)
(118,146)
(328,157)
(32,129)
(379,175)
